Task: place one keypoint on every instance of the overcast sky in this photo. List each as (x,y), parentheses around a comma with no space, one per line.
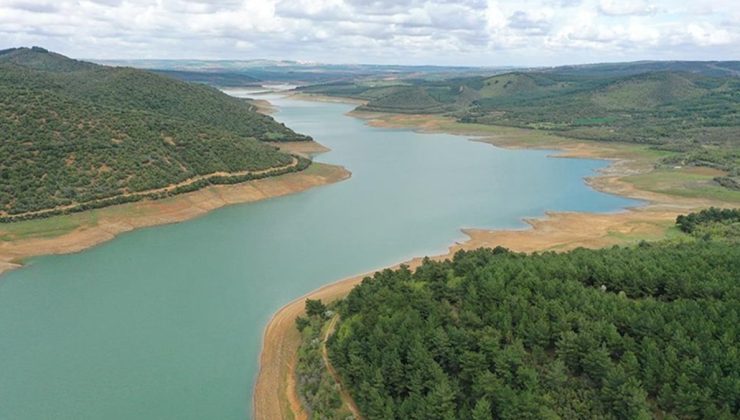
(464,32)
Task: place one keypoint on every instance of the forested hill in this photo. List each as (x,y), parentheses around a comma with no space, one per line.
(73,132)
(704,68)
(619,333)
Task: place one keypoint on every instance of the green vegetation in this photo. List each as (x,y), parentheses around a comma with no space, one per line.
(706,68)
(694,115)
(317,389)
(82,135)
(46,228)
(712,223)
(212,78)
(684,182)
(618,333)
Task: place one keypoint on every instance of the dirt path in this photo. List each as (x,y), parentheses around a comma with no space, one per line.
(168,188)
(347,399)
(275,395)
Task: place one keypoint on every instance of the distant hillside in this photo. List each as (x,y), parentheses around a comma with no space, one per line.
(705,68)
(688,112)
(300,72)
(74,133)
(213,78)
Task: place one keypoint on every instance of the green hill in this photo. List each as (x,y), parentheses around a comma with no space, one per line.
(648,91)
(519,84)
(706,68)
(405,99)
(509,91)
(41,59)
(73,133)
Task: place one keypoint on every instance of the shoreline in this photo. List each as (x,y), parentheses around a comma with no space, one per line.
(76,232)
(275,394)
(71,208)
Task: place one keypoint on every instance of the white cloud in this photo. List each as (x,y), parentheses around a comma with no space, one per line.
(626,7)
(473,32)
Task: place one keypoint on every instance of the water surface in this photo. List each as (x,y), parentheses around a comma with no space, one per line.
(166,322)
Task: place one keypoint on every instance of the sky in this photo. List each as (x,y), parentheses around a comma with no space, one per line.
(442,32)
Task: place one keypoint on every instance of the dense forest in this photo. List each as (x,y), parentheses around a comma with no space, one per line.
(72,132)
(687,108)
(618,333)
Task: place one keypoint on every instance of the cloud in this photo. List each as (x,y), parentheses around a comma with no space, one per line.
(529,23)
(626,7)
(34,6)
(472,32)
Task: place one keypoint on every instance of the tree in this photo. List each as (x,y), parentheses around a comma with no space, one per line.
(440,403)
(482,410)
(315,308)
(302,323)
(624,396)
(596,364)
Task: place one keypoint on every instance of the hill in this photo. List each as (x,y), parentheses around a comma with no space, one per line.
(705,68)
(620,333)
(76,134)
(294,72)
(212,78)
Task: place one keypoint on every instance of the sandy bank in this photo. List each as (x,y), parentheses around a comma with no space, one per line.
(303,96)
(76,232)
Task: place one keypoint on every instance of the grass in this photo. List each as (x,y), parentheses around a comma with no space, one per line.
(684,182)
(46,228)
(663,230)
(321,169)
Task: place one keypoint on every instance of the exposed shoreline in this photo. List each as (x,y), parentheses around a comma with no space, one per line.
(275,394)
(90,228)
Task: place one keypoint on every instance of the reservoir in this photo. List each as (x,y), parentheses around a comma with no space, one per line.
(167,322)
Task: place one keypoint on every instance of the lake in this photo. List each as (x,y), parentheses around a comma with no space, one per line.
(167,322)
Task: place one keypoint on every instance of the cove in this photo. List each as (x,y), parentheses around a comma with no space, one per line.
(167,322)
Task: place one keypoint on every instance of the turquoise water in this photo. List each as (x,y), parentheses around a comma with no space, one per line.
(166,322)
